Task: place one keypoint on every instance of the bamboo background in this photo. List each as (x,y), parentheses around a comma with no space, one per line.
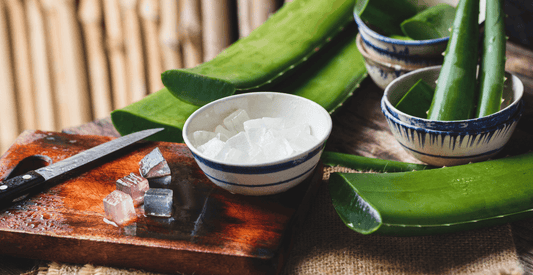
(67,62)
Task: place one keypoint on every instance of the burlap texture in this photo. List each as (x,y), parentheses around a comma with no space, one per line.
(326,246)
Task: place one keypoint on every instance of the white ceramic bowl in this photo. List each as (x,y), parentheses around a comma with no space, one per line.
(407,52)
(449,148)
(263,178)
(512,95)
(381,72)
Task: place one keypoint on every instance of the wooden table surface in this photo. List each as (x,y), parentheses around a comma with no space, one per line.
(359,128)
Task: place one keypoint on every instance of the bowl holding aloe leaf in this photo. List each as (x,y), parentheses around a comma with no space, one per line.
(465,110)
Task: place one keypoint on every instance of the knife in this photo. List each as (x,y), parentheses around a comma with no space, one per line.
(13,189)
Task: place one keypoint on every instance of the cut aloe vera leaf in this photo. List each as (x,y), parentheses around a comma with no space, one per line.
(435,201)
(331,77)
(361,163)
(455,94)
(432,23)
(287,39)
(160,109)
(492,70)
(417,100)
(330,81)
(385,16)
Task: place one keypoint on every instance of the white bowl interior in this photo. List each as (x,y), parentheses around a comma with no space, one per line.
(295,110)
(512,93)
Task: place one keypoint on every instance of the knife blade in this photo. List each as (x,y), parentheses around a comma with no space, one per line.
(12,189)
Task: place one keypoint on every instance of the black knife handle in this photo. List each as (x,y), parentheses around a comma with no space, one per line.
(14,188)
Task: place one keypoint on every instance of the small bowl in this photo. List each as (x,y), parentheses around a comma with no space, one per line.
(512,95)
(449,148)
(269,177)
(418,53)
(381,72)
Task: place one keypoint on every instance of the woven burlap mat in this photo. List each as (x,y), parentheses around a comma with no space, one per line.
(326,246)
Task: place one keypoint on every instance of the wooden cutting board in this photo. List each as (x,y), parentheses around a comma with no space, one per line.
(211,231)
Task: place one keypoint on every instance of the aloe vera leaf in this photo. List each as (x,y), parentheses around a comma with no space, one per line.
(385,15)
(432,23)
(361,163)
(435,201)
(288,38)
(455,94)
(160,109)
(332,76)
(417,100)
(492,73)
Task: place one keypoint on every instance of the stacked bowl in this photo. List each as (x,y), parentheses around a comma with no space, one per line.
(388,58)
(448,143)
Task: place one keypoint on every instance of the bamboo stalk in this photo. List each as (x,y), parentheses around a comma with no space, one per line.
(72,96)
(22,64)
(260,10)
(191,32)
(169,35)
(41,67)
(90,14)
(134,50)
(9,123)
(243,17)
(149,10)
(216,27)
(115,52)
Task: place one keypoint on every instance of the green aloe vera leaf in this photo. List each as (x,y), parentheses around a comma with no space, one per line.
(385,15)
(417,100)
(330,77)
(339,64)
(288,38)
(492,69)
(401,37)
(435,201)
(432,23)
(455,94)
(361,163)
(160,109)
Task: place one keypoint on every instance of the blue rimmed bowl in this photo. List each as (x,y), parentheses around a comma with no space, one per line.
(448,147)
(512,98)
(381,72)
(415,53)
(269,177)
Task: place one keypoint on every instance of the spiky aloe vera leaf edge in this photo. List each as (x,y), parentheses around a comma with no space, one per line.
(288,38)
(337,72)
(435,201)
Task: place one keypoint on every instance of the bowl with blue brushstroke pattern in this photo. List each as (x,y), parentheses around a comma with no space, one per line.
(411,53)
(382,72)
(448,147)
(513,91)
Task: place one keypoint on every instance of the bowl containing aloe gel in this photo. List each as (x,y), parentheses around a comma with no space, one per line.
(415,33)
(448,143)
(513,90)
(258,143)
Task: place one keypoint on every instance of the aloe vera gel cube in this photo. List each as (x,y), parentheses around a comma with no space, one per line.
(158,202)
(118,207)
(133,185)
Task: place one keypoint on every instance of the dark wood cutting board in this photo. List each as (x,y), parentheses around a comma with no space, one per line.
(211,231)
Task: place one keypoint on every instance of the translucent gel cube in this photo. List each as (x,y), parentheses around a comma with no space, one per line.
(135,186)
(158,202)
(234,122)
(118,207)
(201,137)
(154,165)
(212,147)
